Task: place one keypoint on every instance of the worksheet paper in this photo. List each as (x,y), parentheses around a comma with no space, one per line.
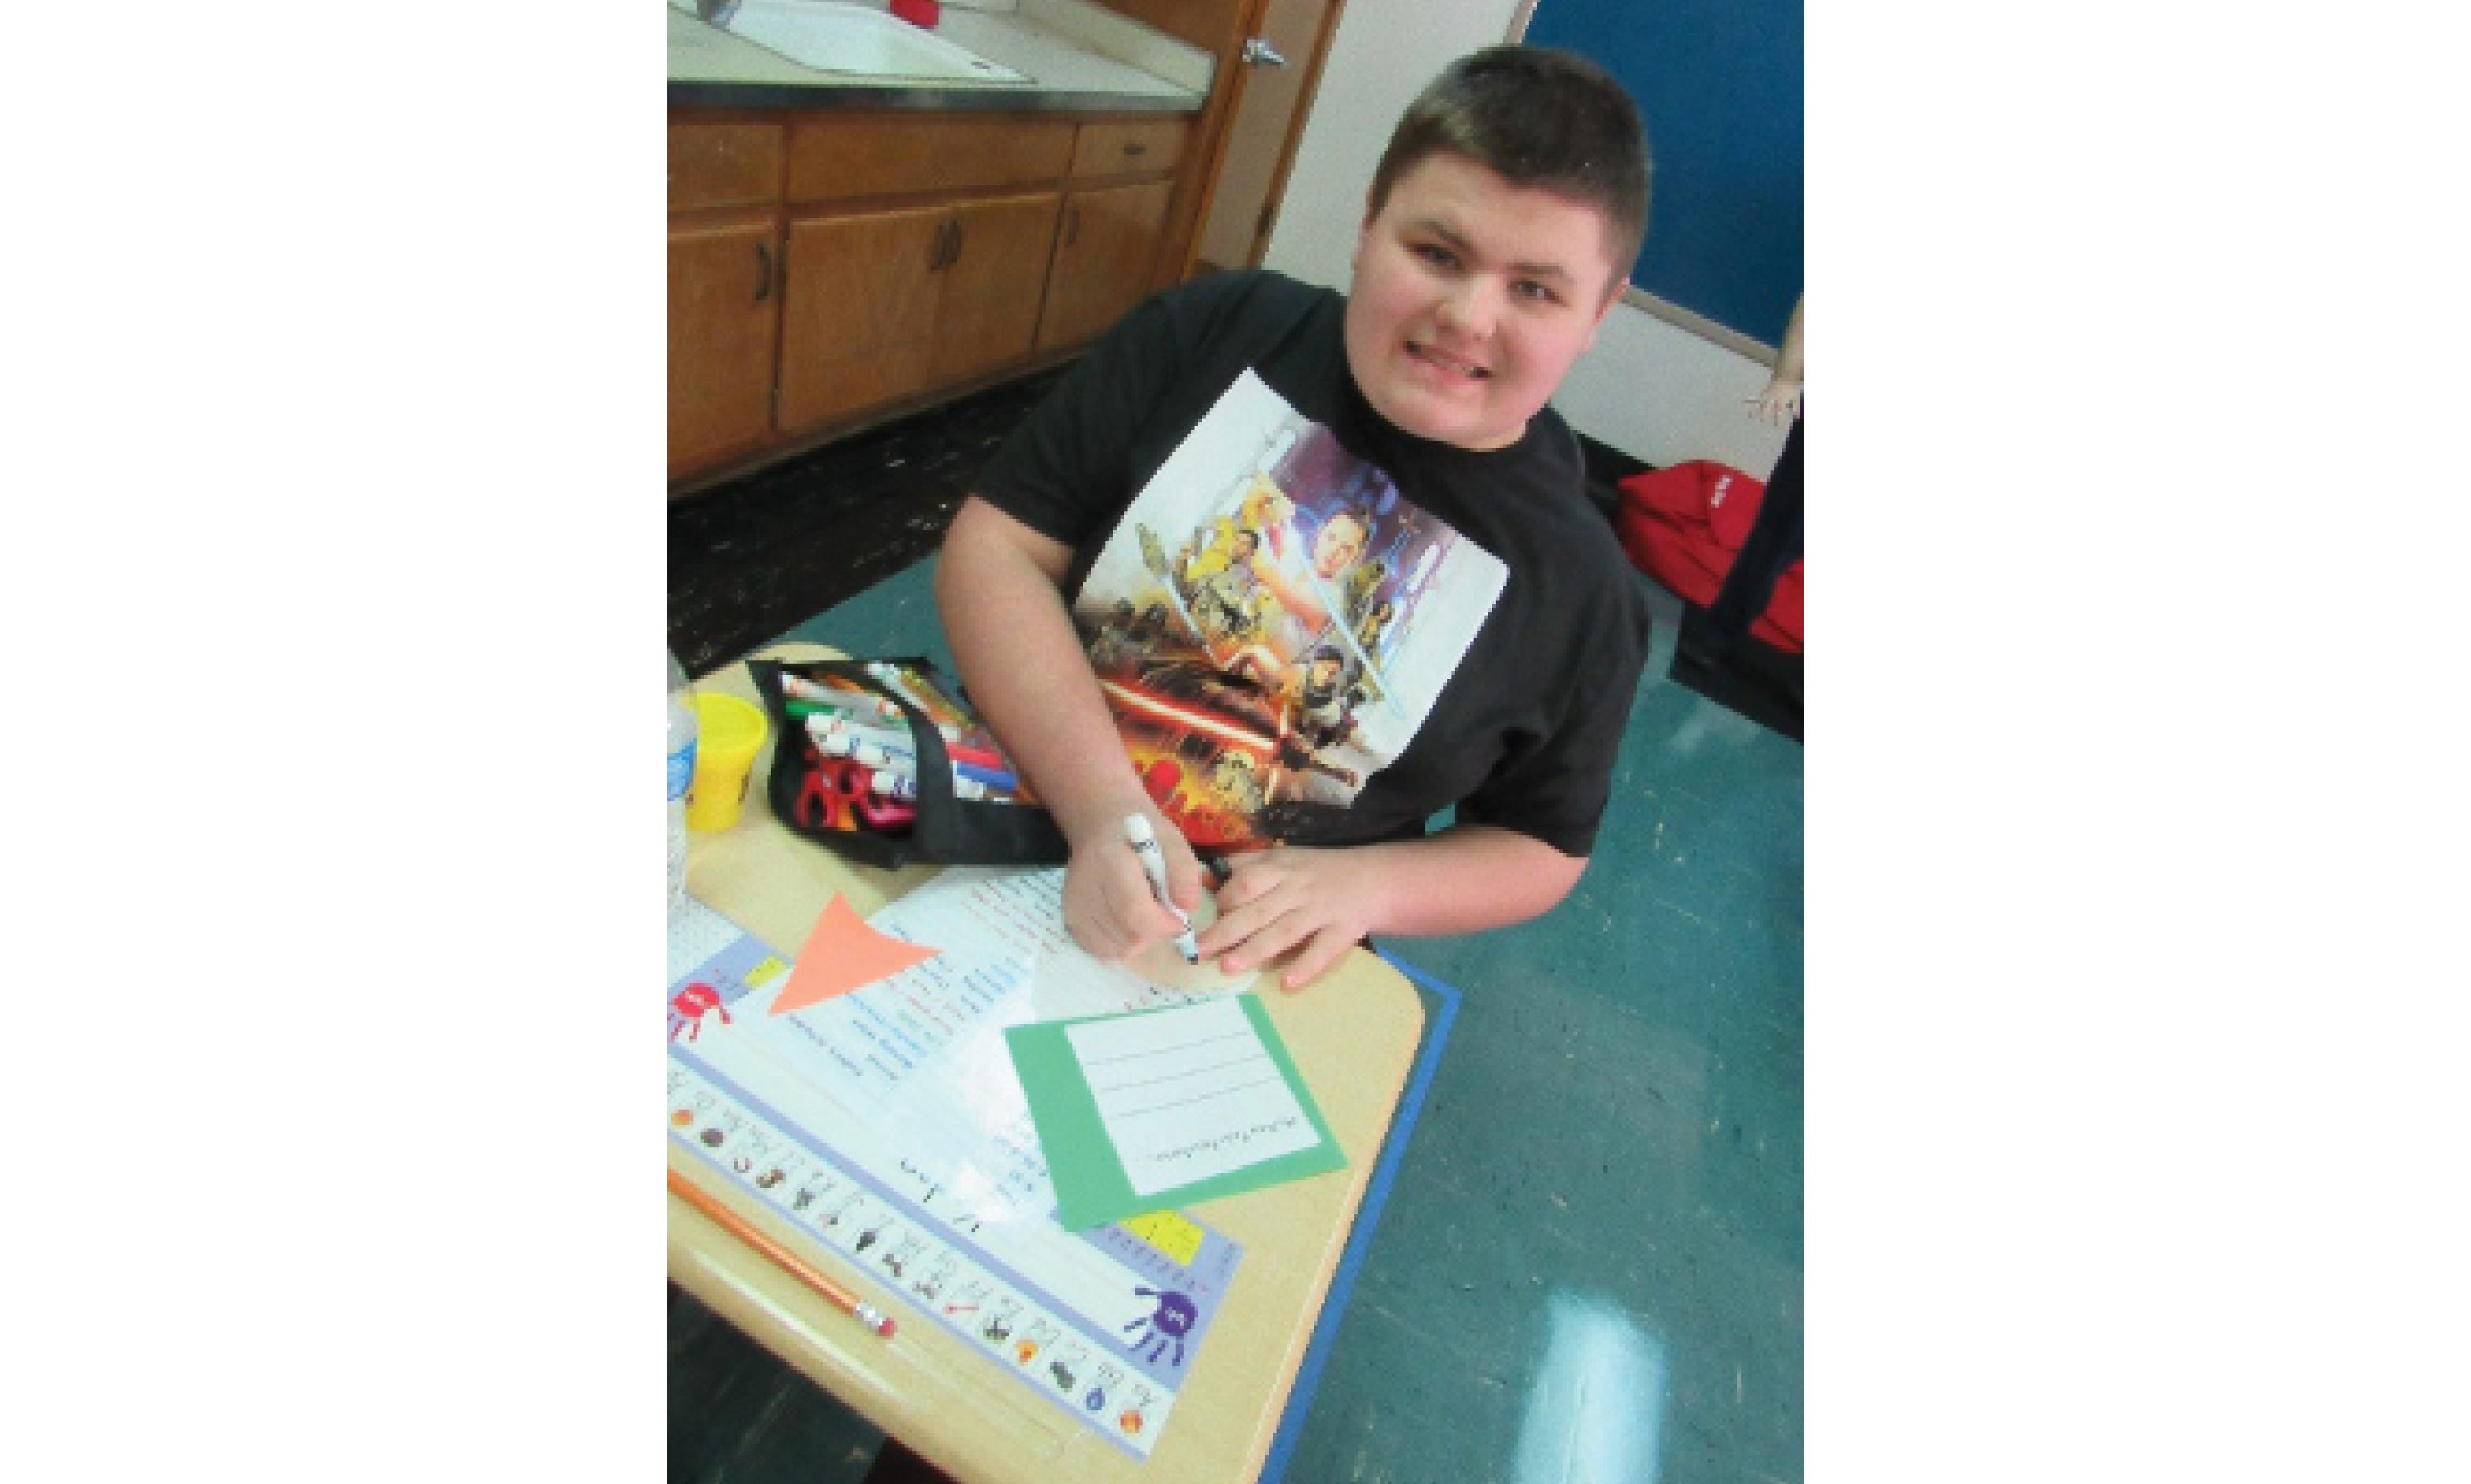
(920,1055)
(1141,1112)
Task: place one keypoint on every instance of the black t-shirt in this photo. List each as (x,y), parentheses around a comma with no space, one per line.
(1520,733)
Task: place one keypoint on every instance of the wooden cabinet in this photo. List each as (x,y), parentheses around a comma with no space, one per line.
(996,269)
(885,304)
(861,328)
(1102,260)
(831,267)
(1109,243)
(722,327)
(724,307)
(839,158)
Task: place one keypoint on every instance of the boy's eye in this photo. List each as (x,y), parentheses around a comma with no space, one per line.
(1529,288)
(1435,255)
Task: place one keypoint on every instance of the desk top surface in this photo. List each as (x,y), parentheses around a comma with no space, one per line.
(1353,1035)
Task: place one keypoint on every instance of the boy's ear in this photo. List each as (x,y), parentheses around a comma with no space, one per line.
(1613,297)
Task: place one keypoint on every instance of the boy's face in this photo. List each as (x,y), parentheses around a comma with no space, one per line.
(1472,299)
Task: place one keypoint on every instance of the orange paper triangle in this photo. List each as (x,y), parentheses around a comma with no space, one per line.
(841,955)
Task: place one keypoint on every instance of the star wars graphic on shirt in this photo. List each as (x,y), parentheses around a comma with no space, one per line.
(1271,622)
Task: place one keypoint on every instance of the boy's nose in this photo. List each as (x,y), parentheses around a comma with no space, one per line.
(1469,310)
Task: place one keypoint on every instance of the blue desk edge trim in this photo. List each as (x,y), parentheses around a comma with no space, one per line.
(1368,1217)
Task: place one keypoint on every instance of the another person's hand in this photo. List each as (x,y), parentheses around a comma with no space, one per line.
(1779,404)
(1314,904)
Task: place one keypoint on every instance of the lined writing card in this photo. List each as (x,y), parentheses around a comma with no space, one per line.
(1143,1111)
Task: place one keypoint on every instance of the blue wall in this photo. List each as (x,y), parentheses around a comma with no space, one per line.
(1719,85)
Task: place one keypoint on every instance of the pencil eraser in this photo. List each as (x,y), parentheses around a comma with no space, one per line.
(885,1328)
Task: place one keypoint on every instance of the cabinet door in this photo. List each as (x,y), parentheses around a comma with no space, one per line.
(989,313)
(859,315)
(1103,260)
(725,315)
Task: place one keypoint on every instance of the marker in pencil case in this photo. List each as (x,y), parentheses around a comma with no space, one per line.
(853,709)
(981,785)
(811,699)
(937,702)
(840,744)
(898,684)
(882,716)
(966,738)
(839,693)
(834,723)
(891,783)
(973,764)
(990,765)
(970,729)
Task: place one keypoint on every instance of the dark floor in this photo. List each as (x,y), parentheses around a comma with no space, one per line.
(1590,1266)
(750,558)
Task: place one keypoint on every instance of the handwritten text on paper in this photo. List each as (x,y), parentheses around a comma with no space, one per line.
(1189,1093)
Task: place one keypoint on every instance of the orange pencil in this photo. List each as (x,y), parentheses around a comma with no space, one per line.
(866,1314)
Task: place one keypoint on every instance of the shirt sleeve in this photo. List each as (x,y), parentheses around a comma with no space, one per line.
(1554,787)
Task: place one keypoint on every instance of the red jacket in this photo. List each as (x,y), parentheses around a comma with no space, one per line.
(1683,526)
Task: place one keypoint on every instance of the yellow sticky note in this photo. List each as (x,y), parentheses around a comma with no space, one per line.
(1169,1233)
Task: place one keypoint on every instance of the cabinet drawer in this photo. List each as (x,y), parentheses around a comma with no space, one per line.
(1128,149)
(831,161)
(724,164)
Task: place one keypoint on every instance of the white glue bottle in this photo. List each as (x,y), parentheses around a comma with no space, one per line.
(682,756)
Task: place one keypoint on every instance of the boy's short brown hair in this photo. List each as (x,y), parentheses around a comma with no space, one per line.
(1539,117)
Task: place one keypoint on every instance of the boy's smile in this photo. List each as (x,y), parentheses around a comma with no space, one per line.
(1471,299)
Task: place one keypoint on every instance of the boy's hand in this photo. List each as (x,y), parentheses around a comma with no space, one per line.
(1108,907)
(1313,904)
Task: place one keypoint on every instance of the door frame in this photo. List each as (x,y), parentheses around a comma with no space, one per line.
(1231,65)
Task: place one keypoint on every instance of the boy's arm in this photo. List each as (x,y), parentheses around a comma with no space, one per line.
(1321,903)
(998,588)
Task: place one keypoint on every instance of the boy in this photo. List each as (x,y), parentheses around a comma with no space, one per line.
(1404,430)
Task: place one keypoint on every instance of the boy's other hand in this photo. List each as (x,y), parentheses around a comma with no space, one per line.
(1312,905)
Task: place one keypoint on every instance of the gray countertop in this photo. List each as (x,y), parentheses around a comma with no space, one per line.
(1080,58)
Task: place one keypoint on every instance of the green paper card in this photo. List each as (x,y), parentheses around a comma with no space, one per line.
(1138,1113)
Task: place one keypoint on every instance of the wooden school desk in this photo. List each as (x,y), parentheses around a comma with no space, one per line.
(1353,1034)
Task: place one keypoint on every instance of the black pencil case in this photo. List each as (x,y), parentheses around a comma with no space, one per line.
(842,802)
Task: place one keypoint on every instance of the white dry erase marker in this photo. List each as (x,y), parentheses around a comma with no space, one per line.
(1144,843)
(847,703)
(840,744)
(903,786)
(890,738)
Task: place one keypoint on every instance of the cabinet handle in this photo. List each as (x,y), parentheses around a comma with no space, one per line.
(1072,223)
(1136,149)
(763,272)
(942,257)
(960,236)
